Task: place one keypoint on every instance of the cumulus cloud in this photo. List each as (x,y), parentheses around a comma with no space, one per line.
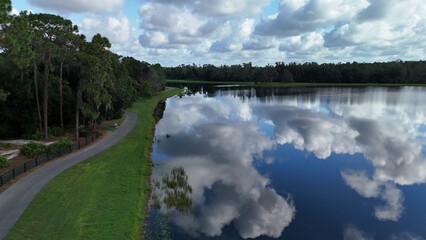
(341,128)
(199,109)
(227,189)
(375,11)
(406,236)
(197,132)
(307,130)
(353,233)
(362,184)
(304,44)
(372,188)
(300,17)
(301,30)
(229,8)
(78,6)
(117,29)
(395,23)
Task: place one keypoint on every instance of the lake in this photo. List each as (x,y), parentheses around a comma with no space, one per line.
(298,163)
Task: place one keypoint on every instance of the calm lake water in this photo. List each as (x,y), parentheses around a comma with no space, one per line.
(312,163)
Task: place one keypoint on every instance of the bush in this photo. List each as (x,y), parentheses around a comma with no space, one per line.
(4,145)
(3,162)
(63,143)
(146,90)
(35,136)
(33,149)
(56,131)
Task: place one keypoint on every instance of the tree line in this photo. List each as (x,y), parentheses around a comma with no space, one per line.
(51,75)
(311,72)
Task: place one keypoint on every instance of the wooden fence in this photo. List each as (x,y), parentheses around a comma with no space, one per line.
(89,138)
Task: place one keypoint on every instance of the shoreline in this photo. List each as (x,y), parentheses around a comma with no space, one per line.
(296,84)
(108,192)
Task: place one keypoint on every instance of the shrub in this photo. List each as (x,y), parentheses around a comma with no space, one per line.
(3,162)
(63,143)
(33,149)
(146,90)
(34,136)
(4,145)
(56,131)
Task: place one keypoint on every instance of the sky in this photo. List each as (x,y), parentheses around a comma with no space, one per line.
(175,32)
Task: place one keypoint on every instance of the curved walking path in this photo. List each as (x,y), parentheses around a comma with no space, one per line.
(16,198)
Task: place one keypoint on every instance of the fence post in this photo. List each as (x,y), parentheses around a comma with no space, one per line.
(1,180)
(25,167)
(36,161)
(13,173)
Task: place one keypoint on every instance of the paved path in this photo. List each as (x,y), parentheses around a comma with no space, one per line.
(16,198)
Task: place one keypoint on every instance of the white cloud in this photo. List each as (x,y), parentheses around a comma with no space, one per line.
(406,236)
(396,155)
(362,184)
(117,29)
(14,11)
(300,17)
(217,32)
(78,6)
(221,168)
(200,130)
(304,44)
(372,188)
(229,7)
(353,233)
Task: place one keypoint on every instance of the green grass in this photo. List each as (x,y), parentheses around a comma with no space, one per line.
(104,197)
(277,85)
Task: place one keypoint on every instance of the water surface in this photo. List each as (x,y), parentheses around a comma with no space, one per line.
(312,163)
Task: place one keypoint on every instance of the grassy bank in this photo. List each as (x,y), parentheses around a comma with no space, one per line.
(101,198)
(288,85)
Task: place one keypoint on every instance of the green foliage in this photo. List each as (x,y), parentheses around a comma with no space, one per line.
(4,145)
(56,131)
(63,143)
(146,90)
(98,188)
(177,190)
(33,149)
(41,54)
(413,72)
(37,135)
(3,95)
(3,162)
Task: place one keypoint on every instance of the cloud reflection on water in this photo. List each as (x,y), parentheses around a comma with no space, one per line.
(217,157)
(216,139)
(383,126)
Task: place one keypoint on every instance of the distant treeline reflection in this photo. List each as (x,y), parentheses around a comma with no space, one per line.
(311,72)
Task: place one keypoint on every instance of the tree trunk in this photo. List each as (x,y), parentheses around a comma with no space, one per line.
(46,95)
(61,98)
(37,98)
(77,113)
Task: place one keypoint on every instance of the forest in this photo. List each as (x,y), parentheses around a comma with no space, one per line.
(53,77)
(408,72)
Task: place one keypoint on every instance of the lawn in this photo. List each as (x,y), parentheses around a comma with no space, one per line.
(104,197)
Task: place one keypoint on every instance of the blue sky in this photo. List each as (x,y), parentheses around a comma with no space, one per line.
(174,32)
